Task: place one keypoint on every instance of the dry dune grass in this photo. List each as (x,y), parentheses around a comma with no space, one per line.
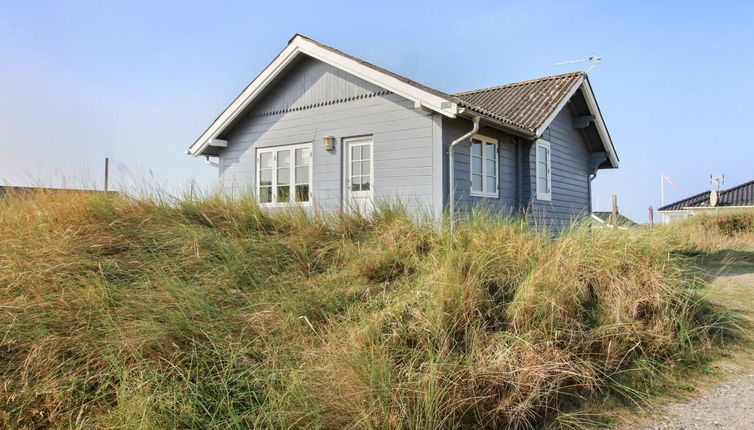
(212,313)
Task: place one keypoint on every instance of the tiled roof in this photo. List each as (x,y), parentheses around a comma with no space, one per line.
(741,195)
(523,106)
(526,105)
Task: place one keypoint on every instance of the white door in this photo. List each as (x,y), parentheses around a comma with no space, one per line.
(359,175)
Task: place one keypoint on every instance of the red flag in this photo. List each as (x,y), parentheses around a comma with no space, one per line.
(667,178)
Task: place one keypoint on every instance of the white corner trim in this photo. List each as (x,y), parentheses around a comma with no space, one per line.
(301,45)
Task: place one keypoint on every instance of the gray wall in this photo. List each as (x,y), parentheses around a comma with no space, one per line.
(570,174)
(506,202)
(315,100)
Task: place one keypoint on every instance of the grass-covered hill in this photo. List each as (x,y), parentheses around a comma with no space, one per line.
(209,313)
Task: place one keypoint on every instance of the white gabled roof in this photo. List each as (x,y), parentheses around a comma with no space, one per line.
(425,97)
(491,103)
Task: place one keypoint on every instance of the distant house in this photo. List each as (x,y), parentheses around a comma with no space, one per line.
(322,129)
(740,197)
(607,219)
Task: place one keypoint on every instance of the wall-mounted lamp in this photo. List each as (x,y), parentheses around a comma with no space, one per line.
(329,142)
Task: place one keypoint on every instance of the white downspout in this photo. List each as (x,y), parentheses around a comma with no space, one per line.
(451,167)
(211,163)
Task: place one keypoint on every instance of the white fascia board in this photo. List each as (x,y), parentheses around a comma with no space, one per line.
(600,123)
(710,208)
(594,109)
(686,209)
(391,83)
(243,99)
(301,45)
(557,110)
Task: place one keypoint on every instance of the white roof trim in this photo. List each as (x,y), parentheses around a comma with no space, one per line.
(705,208)
(301,45)
(594,109)
(562,103)
(709,208)
(600,123)
(608,224)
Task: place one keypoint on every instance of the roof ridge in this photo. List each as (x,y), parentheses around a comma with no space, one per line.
(738,186)
(690,199)
(685,200)
(359,60)
(515,84)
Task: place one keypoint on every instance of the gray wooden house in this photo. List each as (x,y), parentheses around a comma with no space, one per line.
(322,129)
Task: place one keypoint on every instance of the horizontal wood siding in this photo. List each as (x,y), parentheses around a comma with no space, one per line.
(506,202)
(310,82)
(570,175)
(402,135)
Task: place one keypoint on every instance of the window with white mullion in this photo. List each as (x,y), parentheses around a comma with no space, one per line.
(266,179)
(301,178)
(543,170)
(484,167)
(360,172)
(283,194)
(284,175)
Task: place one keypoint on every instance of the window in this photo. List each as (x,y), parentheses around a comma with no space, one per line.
(359,176)
(284,174)
(484,167)
(544,177)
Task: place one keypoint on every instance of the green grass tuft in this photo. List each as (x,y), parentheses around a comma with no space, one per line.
(212,313)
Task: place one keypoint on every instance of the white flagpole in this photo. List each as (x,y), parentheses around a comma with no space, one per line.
(662,195)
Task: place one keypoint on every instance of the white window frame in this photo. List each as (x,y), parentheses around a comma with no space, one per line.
(484,193)
(346,168)
(292,181)
(543,194)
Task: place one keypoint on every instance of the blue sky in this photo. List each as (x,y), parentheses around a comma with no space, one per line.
(139,81)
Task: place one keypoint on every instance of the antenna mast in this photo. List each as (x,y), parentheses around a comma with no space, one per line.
(717,180)
(594,59)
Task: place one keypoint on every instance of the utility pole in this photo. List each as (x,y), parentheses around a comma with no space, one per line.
(107,171)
